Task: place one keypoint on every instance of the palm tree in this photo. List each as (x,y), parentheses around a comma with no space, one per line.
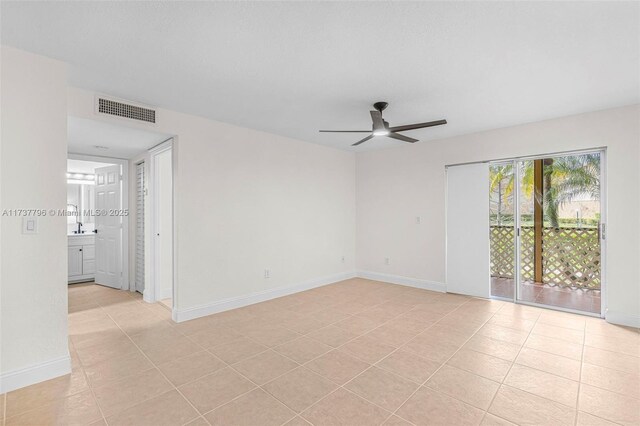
(565,179)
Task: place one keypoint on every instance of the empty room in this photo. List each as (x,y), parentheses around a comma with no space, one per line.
(319,213)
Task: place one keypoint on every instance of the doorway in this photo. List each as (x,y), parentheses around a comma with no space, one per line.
(546,231)
(158,225)
(97,220)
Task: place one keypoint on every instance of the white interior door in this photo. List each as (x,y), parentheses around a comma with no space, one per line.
(108,227)
(468,258)
(163,224)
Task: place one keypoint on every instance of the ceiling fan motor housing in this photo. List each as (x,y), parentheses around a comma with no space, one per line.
(380,106)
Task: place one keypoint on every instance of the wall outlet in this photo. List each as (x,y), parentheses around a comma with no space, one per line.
(267,273)
(418,220)
(387,261)
(342,259)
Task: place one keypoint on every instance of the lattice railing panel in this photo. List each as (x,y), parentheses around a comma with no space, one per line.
(570,256)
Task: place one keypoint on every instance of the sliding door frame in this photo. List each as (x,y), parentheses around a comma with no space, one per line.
(516,161)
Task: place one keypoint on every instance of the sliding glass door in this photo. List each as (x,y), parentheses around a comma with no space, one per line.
(546,219)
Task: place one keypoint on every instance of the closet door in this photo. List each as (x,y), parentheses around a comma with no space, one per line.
(468,260)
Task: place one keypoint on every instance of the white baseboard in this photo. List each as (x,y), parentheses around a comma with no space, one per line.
(621,318)
(17,379)
(406,281)
(180,315)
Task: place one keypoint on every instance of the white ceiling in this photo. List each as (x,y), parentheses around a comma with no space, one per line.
(121,142)
(293,68)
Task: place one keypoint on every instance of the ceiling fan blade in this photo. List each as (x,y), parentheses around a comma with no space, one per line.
(401,137)
(378,122)
(417,126)
(344,131)
(363,140)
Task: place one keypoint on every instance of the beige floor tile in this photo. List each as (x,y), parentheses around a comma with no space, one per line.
(626,345)
(613,360)
(302,349)
(568,334)
(412,325)
(337,366)
(524,408)
(485,345)
(550,363)
(543,384)
(105,351)
(603,328)
(272,336)
(77,409)
(491,420)
(367,349)
(216,389)
(512,322)
(116,368)
(391,335)
(409,365)
(214,336)
(297,421)
(608,405)
(562,319)
(381,387)
(30,397)
(200,421)
(344,408)
(429,407)
(191,367)
(119,395)
(396,421)
(167,409)
(332,336)
(503,334)
(359,325)
(171,350)
(555,346)
(436,348)
(254,408)
(585,419)
(627,384)
(265,367)
(484,365)
(304,324)
(330,316)
(237,350)
(300,388)
(465,386)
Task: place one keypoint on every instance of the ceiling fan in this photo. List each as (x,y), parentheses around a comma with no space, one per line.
(381,127)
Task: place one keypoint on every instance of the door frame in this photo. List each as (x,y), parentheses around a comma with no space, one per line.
(151,291)
(124,170)
(603,224)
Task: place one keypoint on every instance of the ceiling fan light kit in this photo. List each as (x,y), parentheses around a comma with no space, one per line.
(380,127)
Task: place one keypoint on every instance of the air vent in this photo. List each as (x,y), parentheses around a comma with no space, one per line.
(121,109)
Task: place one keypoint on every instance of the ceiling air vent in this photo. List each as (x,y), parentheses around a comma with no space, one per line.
(121,109)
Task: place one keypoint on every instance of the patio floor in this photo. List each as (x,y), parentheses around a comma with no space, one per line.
(544,294)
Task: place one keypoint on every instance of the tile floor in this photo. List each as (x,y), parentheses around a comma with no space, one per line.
(354,353)
(544,294)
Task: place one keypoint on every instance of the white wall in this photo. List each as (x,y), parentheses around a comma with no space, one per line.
(246,201)
(395,186)
(33,268)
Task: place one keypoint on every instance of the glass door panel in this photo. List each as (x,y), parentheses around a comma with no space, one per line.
(502,229)
(559,239)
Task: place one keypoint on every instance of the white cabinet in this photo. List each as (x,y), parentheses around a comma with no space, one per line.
(75,261)
(82,258)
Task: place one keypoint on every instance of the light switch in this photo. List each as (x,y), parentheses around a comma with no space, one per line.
(29,225)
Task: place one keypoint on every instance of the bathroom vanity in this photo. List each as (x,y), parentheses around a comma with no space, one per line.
(82,259)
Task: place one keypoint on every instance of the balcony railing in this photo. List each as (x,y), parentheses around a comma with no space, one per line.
(570,256)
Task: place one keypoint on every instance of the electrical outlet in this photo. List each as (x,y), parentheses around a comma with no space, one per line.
(342,259)
(387,261)
(267,273)
(418,220)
